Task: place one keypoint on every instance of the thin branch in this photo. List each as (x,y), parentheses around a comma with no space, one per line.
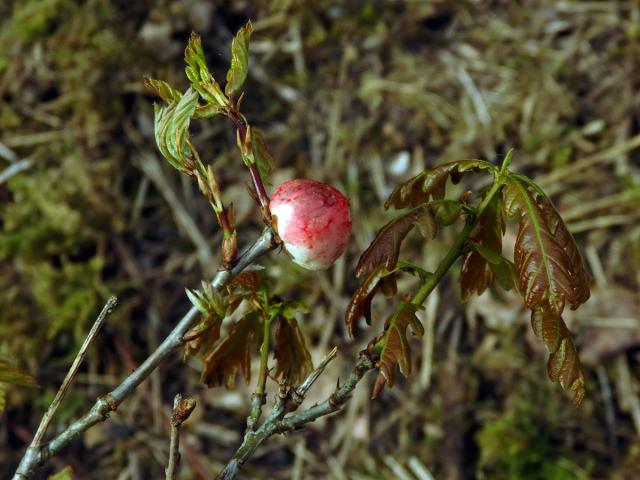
(278,423)
(110,402)
(34,448)
(303,388)
(181,411)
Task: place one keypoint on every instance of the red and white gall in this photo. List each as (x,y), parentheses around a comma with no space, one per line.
(313,220)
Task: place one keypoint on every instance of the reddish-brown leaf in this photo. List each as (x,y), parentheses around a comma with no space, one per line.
(395,350)
(203,335)
(564,364)
(476,274)
(293,359)
(550,268)
(360,303)
(232,353)
(248,280)
(432,183)
(551,272)
(385,248)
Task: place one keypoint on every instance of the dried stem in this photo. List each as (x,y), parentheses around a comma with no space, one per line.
(181,411)
(33,450)
(110,402)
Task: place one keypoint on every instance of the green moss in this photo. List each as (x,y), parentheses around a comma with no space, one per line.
(35,18)
(520,445)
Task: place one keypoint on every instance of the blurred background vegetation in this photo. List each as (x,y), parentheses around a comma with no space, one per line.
(362,94)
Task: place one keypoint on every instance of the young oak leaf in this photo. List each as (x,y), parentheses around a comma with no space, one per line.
(551,272)
(162,89)
(564,363)
(201,79)
(549,265)
(360,303)
(432,184)
(206,333)
(293,359)
(477,273)
(385,248)
(237,73)
(395,350)
(233,352)
(172,130)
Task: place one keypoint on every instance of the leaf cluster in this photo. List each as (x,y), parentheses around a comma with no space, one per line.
(225,356)
(547,270)
(172,118)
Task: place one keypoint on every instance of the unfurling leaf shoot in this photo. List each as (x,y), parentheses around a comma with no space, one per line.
(548,269)
(237,73)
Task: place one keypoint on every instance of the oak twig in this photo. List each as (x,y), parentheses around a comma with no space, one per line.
(276,422)
(33,450)
(110,402)
(181,411)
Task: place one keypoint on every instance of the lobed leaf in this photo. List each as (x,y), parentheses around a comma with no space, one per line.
(13,375)
(395,350)
(201,79)
(385,248)
(163,90)
(564,363)
(172,130)
(551,272)
(431,184)
(293,359)
(237,73)
(202,336)
(360,303)
(549,265)
(477,272)
(232,353)
(196,68)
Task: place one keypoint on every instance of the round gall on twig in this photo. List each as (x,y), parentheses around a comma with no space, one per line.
(313,220)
